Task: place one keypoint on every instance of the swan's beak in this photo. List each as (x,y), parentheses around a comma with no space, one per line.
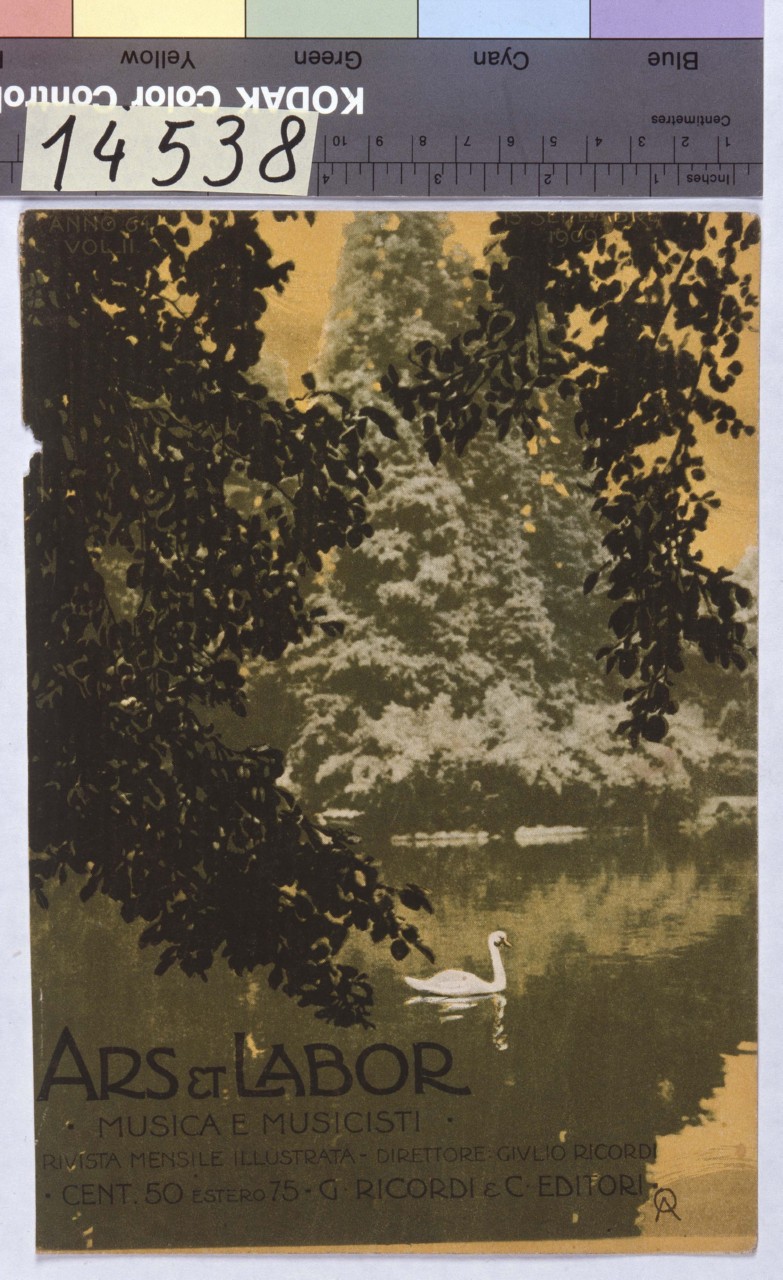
(504,942)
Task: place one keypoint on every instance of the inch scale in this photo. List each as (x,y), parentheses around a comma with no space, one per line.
(453,119)
(496,174)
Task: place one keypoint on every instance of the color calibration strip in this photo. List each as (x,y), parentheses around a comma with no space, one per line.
(529,19)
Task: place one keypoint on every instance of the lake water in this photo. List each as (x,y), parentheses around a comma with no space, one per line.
(618,1065)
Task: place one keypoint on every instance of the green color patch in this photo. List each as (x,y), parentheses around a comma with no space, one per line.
(344,18)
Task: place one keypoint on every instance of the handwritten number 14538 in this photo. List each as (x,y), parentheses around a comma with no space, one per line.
(276,165)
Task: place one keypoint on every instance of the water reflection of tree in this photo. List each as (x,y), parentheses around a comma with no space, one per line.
(606,1048)
(669,898)
(617,1015)
(625,1051)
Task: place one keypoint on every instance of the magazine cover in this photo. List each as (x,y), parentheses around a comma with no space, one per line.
(391,612)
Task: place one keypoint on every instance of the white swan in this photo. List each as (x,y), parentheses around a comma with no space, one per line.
(458,982)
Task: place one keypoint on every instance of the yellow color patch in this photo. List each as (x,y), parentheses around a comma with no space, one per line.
(142,19)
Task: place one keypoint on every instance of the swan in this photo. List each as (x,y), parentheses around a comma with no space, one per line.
(458,982)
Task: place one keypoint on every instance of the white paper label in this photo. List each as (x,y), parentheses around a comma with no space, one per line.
(120,149)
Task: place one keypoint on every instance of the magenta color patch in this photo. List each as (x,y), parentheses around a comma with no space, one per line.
(35,18)
(676,19)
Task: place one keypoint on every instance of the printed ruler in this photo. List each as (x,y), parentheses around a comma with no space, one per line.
(458,119)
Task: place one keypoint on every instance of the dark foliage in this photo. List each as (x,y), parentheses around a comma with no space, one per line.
(638,320)
(178,509)
(149,590)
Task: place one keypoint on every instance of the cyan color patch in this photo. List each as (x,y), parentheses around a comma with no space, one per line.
(505,19)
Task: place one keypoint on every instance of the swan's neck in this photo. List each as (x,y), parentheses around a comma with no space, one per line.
(498,972)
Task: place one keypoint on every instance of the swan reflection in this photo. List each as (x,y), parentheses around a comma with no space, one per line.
(454,1008)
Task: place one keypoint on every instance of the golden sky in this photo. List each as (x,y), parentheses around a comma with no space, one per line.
(296,319)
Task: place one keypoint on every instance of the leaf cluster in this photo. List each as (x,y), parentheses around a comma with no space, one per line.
(637,321)
(174,514)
